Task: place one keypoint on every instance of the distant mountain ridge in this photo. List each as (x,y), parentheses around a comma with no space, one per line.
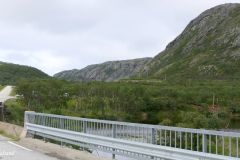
(108,71)
(10,73)
(208,48)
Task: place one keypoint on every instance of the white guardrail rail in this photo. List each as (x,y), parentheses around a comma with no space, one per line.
(139,141)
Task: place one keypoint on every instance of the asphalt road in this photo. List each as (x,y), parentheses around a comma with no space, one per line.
(11,151)
(5,93)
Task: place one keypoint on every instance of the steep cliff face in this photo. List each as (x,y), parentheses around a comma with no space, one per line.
(10,73)
(209,47)
(108,71)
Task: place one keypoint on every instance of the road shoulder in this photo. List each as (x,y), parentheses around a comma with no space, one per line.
(53,150)
(57,151)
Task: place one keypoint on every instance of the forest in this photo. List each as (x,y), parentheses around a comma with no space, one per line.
(195,104)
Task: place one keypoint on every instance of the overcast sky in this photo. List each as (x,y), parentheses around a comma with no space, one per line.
(56,35)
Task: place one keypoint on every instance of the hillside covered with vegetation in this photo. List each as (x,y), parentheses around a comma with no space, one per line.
(203,104)
(193,83)
(11,73)
(208,48)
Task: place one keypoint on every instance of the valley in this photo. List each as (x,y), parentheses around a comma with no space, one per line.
(193,83)
(120,80)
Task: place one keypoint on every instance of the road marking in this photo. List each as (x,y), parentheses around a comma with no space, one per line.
(20,146)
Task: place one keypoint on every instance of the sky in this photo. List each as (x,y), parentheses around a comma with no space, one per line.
(57,35)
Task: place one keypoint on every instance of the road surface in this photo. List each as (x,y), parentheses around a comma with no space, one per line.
(11,151)
(5,93)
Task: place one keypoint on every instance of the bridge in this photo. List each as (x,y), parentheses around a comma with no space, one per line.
(139,141)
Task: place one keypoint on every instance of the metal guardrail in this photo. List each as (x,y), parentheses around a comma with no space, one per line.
(209,142)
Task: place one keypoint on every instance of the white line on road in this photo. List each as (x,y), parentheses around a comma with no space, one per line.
(20,146)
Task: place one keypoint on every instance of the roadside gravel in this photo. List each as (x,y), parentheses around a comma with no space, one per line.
(57,151)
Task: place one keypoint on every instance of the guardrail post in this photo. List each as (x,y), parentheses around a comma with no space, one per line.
(204,143)
(26,117)
(153,138)
(61,127)
(84,127)
(44,120)
(114,129)
(61,124)
(153,134)
(114,135)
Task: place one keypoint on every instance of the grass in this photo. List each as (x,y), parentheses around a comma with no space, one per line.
(12,137)
(17,112)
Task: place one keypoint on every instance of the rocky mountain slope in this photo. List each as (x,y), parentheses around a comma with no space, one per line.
(108,71)
(10,73)
(208,48)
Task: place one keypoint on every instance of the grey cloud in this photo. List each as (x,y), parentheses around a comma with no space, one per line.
(55,35)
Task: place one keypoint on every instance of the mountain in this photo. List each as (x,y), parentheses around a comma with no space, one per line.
(208,48)
(108,71)
(10,73)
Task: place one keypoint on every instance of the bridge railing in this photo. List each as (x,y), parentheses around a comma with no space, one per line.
(200,140)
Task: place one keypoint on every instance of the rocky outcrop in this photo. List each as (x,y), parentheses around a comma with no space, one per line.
(209,47)
(108,71)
